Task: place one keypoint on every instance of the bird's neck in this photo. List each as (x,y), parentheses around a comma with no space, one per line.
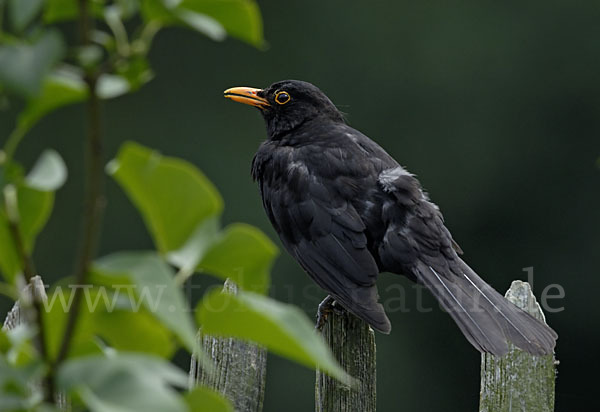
(300,132)
(279,126)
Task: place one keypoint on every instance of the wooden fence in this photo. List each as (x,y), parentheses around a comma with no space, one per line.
(517,382)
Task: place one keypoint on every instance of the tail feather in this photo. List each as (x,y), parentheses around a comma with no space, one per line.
(362,301)
(485,317)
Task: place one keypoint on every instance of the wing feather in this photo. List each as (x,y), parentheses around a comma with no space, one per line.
(326,235)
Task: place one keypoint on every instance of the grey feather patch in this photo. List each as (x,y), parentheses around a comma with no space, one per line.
(300,166)
(389,176)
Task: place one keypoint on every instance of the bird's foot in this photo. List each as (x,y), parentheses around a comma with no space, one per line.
(327,306)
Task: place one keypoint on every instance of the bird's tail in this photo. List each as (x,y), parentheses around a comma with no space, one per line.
(363,302)
(485,317)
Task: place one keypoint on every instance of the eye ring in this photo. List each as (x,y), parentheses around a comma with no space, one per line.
(282,97)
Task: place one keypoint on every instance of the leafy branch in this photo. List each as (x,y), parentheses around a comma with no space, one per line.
(139,316)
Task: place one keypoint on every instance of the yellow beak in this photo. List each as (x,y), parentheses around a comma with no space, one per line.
(246,95)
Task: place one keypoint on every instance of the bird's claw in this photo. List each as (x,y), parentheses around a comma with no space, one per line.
(327,306)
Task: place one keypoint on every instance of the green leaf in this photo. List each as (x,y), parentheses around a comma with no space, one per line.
(203,399)
(240,18)
(49,172)
(158,11)
(22,352)
(202,23)
(173,196)
(62,10)
(283,329)
(171,12)
(4,342)
(34,208)
(22,67)
(10,265)
(89,56)
(111,86)
(244,254)
(111,313)
(123,382)
(155,288)
(136,331)
(60,88)
(23,11)
(136,70)
(199,242)
(16,391)
(127,8)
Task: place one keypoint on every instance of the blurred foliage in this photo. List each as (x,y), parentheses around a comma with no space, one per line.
(31,206)
(123,381)
(134,314)
(494,105)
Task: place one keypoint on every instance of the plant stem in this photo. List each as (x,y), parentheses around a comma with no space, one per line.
(182,275)
(94,198)
(12,142)
(29,272)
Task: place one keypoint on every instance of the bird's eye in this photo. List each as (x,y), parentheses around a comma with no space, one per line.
(282,97)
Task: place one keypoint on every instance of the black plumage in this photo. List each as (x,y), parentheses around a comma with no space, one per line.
(347,211)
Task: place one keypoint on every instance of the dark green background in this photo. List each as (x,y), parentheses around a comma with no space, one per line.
(494,104)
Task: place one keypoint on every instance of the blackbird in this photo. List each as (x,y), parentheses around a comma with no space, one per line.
(347,211)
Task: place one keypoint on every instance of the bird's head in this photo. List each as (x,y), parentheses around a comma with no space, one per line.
(287,104)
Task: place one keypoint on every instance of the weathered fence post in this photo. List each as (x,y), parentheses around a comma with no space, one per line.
(240,368)
(352,342)
(518,382)
(34,290)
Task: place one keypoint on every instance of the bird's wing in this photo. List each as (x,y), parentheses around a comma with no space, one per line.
(327,237)
(418,243)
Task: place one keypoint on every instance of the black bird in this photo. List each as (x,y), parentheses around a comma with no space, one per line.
(347,211)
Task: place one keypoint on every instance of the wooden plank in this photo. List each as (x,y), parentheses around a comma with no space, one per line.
(518,381)
(352,342)
(240,369)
